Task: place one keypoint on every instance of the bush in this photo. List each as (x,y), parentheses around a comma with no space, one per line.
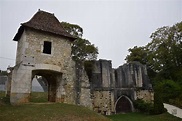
(177,102)
(150,108)
(158,104)
(143,106)
(168,89)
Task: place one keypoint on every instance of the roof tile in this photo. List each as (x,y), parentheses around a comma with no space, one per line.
(44,21)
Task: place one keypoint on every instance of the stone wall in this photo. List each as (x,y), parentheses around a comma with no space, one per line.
(102,74)
(103,102)
(30,57)
(60,53)
(146,95)
(101,87)
(132,75)
(84,94)
(108,85)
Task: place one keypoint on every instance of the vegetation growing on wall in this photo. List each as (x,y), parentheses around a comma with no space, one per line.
(89,65)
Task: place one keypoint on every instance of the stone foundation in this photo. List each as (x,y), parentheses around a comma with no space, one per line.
(19,98)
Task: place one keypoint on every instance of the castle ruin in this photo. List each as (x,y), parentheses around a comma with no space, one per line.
(44,49)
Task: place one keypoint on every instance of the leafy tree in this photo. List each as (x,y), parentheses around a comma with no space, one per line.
(140,54)
(82,49)
(163,55)
(73,29)
(137,54)
(168,89)
(165,50)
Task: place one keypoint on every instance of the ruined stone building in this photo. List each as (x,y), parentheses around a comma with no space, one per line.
(44,49)
(114,90)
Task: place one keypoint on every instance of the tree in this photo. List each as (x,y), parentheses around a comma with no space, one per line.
(140,54)
(73,29)
(82,49)
(165,50)
(168,90)
(163,55)
(137,54)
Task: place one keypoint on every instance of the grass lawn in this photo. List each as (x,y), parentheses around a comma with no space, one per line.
(39,97)
(48,112)
(143,117)
(45,111)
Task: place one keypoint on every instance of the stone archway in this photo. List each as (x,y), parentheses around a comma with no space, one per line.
(53,79)
(124,105)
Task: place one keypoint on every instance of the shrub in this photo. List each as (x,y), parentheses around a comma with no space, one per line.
(168,89)
(143,106)
(150,108)
(158,104)
(177,102)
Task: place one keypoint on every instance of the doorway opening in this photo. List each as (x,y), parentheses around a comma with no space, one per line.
(124,105)
(48,84)
(39,89)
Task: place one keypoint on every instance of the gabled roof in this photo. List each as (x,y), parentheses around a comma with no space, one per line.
(46,22)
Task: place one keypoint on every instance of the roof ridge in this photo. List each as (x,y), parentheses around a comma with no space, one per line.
(47,22)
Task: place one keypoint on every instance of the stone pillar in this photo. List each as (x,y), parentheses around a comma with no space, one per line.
(106,71)
(20,85)
(8,85)
(60,91)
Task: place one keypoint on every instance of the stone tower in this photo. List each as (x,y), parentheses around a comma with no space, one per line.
(44,49)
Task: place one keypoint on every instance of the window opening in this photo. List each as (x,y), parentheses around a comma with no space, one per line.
(47,47)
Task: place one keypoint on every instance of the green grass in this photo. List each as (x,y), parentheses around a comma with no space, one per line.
(45,111)
(39,97)
(143,117)
(48,112)
(65,112)
(35,97)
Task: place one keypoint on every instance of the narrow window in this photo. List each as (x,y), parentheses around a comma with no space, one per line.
(47,47)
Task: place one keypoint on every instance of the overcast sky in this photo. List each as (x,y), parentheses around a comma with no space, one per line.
(113,26)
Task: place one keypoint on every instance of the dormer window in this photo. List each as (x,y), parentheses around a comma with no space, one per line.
(47,47)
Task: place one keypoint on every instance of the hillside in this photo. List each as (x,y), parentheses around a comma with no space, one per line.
(48,112)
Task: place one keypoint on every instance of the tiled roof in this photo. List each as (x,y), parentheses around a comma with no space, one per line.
(46,22)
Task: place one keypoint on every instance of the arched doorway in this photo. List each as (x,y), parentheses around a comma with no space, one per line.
(50,78)
(123,105)
(39,92)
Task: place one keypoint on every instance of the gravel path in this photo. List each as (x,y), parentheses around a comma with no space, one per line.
(173,110)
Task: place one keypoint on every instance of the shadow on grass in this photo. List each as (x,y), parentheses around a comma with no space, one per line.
(143,117)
